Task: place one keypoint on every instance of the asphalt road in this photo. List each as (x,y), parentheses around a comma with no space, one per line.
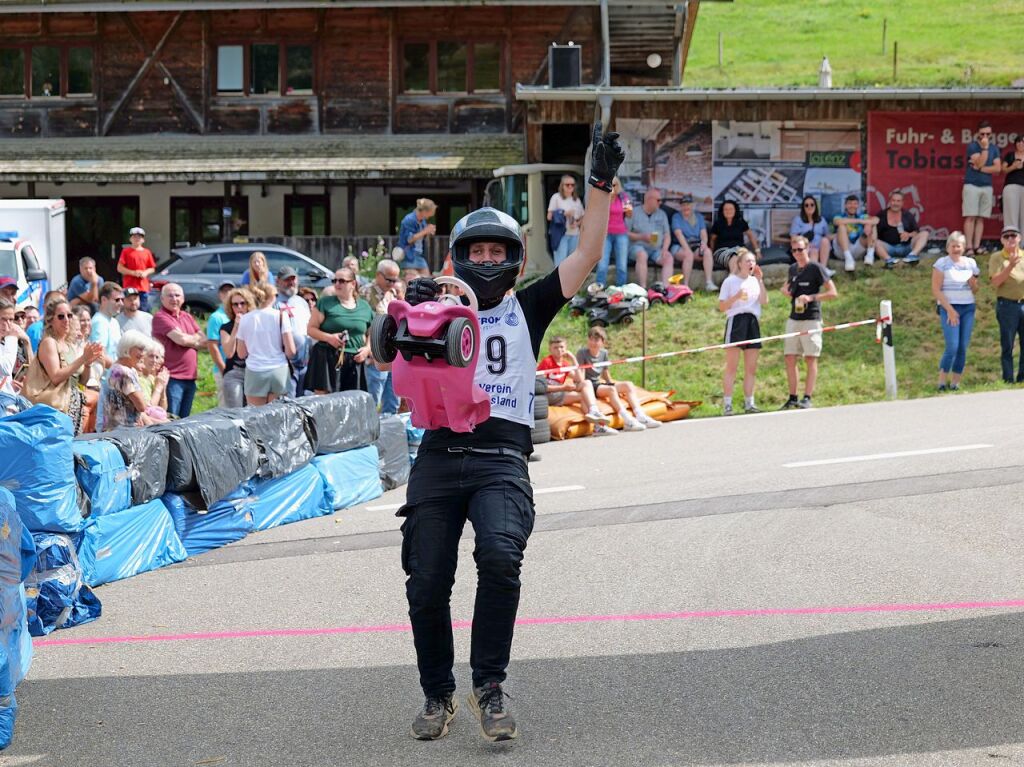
(695,595)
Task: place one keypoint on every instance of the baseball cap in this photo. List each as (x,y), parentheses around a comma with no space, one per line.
(1008,229)
(8,282)
(136,230)
(285,272)
(686,198)
(226,284)
(131,291)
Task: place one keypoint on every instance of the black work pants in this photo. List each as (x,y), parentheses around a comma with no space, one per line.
(445,489)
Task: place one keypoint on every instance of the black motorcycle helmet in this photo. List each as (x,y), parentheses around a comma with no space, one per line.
(489,281)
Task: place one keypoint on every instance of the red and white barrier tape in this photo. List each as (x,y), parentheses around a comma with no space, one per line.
(664,355)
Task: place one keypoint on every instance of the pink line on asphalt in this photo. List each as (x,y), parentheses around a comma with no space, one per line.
(550,621)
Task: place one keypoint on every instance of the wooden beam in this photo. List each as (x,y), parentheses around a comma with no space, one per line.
(692,6)
(147,64)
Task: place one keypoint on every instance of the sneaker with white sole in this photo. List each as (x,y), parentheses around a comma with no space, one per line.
(596,416)
(631,424)
(488,705)
(869,258)
(727,410)
(830,272)
(648,422)
(432,721)
(601,430)
(850,264)
(710,286)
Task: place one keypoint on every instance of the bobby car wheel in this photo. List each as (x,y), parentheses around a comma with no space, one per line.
(459,343)
(382,338)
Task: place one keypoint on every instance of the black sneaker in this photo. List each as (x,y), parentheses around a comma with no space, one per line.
(488,704)
(804,403)
(942,387)
(432,721)
(790,404)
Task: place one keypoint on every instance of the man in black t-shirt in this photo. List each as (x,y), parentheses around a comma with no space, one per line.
(806,286)
(899,236)
(482,475)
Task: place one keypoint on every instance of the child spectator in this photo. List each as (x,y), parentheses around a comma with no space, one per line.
(572,387)
(136,264)
(741,298)
(594,353)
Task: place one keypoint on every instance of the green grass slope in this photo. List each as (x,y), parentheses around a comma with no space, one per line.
(780,43)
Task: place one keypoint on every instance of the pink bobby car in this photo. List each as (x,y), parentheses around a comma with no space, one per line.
(438,343)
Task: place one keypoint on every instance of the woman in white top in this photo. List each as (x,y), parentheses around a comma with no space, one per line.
(264,340)
(567,201)
(741,297)
(954,283)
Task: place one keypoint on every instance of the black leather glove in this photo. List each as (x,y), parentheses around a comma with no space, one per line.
(420,290)
(606,156)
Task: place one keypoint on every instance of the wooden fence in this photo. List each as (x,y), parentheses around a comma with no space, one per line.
(330,251)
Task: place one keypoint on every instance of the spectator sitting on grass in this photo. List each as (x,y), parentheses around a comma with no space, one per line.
(899,236)
(650,237)
(691,233)
(594,353)
(728,232)
(809,223)
(153,376)
(571,387)
(855,234)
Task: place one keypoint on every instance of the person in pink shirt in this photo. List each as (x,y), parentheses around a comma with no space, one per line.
(618,237)
(178,331)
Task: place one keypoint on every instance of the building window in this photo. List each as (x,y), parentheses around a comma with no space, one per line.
(307,215)
(200,220)
(260,69)
(451,66)
(46,71)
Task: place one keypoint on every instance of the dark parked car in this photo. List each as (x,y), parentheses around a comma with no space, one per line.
(201,269)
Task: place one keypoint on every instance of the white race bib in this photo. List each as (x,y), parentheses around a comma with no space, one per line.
(506,368)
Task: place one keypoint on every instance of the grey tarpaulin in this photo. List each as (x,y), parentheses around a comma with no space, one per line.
(210,453)
(343,421)
(282,431)
(145,455)
(393,448)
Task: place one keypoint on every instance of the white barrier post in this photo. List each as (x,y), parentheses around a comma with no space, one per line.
(888,351)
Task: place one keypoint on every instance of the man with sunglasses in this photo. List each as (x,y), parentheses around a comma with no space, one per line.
(378,295)
(1006,273)
(982,163)
(106,331)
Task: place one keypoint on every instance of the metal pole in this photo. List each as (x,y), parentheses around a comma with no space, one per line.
(888,351)
(719,50)
(895,58)
(606,45)
(643,345)
(885,28)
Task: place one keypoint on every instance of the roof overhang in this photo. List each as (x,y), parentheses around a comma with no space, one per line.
(91,6)
(278,159)
(624,93)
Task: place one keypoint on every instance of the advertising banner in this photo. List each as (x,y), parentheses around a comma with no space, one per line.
(924,154)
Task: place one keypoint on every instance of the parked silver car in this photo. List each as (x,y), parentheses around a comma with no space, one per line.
(201,269)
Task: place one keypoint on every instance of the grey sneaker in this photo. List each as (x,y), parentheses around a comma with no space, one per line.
(805,402)
(727,410)
(432,721)
(751,409)
(789,404)
(604,430)
(488,705)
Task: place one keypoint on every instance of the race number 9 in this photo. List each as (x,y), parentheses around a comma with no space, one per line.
(496,363)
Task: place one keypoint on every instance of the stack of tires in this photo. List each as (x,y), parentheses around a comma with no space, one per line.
(541,429)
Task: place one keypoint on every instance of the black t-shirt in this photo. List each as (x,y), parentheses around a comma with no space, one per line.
(729,235)
(1014,176)
(806,282)
(234,361)
(891,234)
(540,303)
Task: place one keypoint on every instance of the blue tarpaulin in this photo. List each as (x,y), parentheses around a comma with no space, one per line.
(130,542)
(17,556)
(38,467)
(350,478)
(100,469)
(300,495)
(56,596)
(201,530)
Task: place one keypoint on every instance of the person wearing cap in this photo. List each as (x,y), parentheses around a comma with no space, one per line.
(691,233)
(136,264)
(297,310)
(85,286)
(1006,273)
(378,295)
(9,289)
(217,320)
(132,317)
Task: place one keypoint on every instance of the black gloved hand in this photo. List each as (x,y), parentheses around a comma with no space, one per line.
(420,290)
(606,156)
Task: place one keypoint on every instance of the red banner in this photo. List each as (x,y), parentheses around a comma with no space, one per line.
(924,154)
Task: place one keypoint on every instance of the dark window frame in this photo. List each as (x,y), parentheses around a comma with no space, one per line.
(282,43)
(470,65)
(306,203)
(194,205)
(64,46)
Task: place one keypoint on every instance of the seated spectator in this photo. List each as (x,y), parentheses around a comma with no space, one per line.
(741,298)
(691,234)
(153,376)
(55,375)
(729,231)
(809,223)
(258,270)
(571,387)
(124,403)
(651,237)
(899,236)
(855,234)
(85,286)
(954,285)
(265,341)
(617,238)
(595,353)
(9,289)
(132,316)
(36,329)
(239,302)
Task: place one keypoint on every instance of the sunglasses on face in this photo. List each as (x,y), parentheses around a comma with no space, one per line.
(391,280)
(1010,236)
(341,281)
(62,316)
(799,250)
(810,205)
(238,303)
(568,185)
